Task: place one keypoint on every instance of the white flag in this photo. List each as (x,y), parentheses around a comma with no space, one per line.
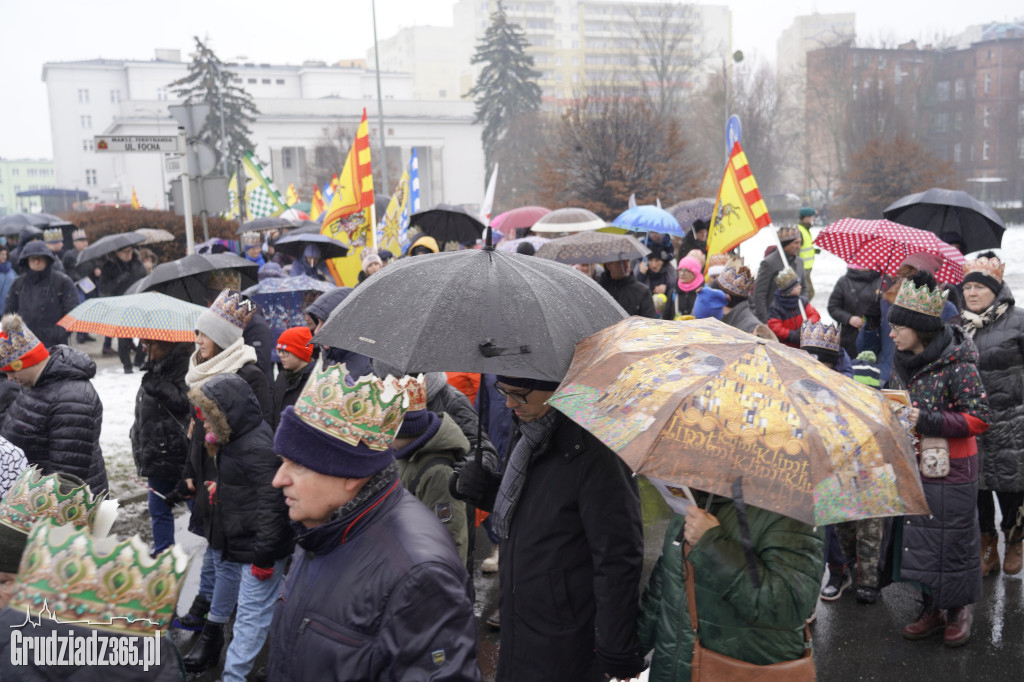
(488,203)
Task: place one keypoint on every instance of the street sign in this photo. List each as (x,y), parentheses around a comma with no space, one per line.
(165,144)
(174,164)
(733,132)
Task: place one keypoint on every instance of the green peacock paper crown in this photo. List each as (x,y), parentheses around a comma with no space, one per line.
(69,576)
(820,335)
(233,307)
(921,299)
(36,496)
(352,409)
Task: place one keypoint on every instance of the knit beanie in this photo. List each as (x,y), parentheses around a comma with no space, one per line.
(919,304)
(532,384)
(369,257)
(866,371)
(786,281)
(690,264)
(709,303)
(296,340)
(19,347)
(226,317)
(985,271)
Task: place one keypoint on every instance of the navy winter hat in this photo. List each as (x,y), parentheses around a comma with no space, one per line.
(532,384)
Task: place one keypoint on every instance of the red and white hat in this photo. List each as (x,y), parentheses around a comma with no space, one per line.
(19,347)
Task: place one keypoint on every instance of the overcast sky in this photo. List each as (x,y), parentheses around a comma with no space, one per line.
(33,33)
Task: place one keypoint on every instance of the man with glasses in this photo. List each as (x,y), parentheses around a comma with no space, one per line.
(567,512)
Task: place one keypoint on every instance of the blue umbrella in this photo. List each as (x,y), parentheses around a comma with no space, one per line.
(649,218)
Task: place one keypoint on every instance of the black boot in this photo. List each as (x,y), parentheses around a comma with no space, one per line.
(206,652)
(196,616)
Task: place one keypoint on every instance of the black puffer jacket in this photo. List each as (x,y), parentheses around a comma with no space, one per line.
(162,411)
(42,298)
(248,515)
(634,297)
(57,421)
(287,388)
(1001,363)
(258,335)
(855,294)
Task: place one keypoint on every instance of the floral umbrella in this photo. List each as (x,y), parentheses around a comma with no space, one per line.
(701,404)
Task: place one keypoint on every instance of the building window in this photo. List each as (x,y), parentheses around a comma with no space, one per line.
(1020,114)
(90,177)
(881,61)
(161,94)
(854,92)
(988,83)
(83,96)
(280,81)
(86,122)
(442,94)
(1021,78)
(957,152)
(115,96)
(984,150)
(985,117)
(941,122)
(958,121)
(287,158)
(266,81)
(960,89)
(942,91)
(15,172)
(86,145)
(1020,148)
(251,81)
(856,59)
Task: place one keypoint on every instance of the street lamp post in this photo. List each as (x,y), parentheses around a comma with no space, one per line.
(380,104)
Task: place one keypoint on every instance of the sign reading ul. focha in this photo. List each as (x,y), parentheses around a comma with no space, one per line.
(166,144)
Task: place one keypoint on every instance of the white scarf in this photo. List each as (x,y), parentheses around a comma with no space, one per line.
(228,361)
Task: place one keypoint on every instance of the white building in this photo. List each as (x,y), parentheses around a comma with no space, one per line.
(426,52)
(297,104)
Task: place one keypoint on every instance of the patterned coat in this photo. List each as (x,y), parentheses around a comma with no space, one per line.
(942,550)
(1000,345)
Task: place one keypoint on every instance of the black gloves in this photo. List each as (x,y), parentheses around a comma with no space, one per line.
(470,481)
(179,494)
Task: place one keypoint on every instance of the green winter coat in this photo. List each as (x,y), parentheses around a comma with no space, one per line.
(435,460)
(763,625)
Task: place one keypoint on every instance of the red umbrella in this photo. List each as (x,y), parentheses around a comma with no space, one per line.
(525,216)
(881,245)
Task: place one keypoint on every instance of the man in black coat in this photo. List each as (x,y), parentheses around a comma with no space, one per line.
(567,512)
(296,353)
(119,272)
(853,298)
(41,295)
(634,297)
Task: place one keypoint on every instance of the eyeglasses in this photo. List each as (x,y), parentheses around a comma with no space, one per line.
(897,327)
(517,397)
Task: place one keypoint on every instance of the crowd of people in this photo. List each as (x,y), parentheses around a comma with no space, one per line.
(339,497)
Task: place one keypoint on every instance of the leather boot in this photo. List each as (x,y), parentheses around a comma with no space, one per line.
(930,622)
(958,628)
(206,652)
(1014,553)
(989,553)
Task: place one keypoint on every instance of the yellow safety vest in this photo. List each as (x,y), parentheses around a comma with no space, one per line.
(806,247)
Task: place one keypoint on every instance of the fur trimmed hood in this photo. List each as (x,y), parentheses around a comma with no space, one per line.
(229,407)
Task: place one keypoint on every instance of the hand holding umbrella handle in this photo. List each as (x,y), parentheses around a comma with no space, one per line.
(473,482)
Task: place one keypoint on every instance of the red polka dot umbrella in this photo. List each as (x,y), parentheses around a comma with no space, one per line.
(881,245)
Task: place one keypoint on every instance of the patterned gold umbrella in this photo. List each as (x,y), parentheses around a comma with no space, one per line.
(701,404)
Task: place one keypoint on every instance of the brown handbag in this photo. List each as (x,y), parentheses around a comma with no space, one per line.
(715,667)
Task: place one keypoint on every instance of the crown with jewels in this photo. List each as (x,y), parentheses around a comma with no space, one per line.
(785,279)
(70,576)
(78,234)
(251,238)
(736,279)
(788,233)
(415,388)
(921,299)
(989,267)
(224,279)
(37,496)
(366,409)
(819,335)
(718,259)
(19,347)
(53,234)
(233,307)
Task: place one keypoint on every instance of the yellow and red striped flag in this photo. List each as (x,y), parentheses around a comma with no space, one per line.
(739,210)
(316,205)
(348,217)
(135,200)
(291,197)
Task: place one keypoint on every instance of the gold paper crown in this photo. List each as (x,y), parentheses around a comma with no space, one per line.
(736,279)
(921,299)
(233,307)
(78,234)
(250,238)
(820,335)
(990,267)
(35,496)
(784,279)
(415,388)
(717,259)
(53,234)
(16,341)
(366,409)
(224,279)
(788,233)
(69,576)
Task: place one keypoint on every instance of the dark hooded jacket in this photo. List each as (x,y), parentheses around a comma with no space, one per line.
(376,593)
(1000,344)
(116,275)
(57,421)
(42,298)
(634,297)
(162,412)
(855,294)
(941,550)
(248,518)
(287,388)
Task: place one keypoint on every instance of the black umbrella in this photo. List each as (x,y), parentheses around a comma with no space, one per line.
(593,247)
(266,223)
(945,212)
(186,278)
(448,224)
(295,244)
(12,229)
(306,227)
(109,244)
(16,222)
(472,311)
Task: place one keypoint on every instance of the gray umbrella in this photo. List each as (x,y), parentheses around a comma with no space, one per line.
(472,311)
(265,223)
(593,247)
(701,208)
(186,278)
(109,244)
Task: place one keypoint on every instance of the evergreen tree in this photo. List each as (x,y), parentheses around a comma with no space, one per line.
(507,87)
(208,82)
